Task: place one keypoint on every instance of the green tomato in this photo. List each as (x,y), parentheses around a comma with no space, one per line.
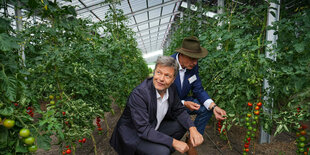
(52,102)
(8,123)
(0,119)
(254,129)
(250,128)
(247,119)
(248,133)
(24,133)
(29,140)
(51,97)
(301,144)
(256,117)
(32,148)
(247,124)
(302,138)
(301,150)
(254,122)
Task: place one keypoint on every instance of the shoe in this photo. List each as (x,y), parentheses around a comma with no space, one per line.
(192,150)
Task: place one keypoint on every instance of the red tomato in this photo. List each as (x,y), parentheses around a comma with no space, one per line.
(84,140)
(250,104)
(256,108)
(259,104)
(68,151)
(249,139)
(303,132)
(304,126)
(256,112)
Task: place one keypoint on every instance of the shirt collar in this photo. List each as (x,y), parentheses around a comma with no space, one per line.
(166,95)
(180,67)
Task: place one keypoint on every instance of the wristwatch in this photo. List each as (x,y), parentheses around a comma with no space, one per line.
(213,107)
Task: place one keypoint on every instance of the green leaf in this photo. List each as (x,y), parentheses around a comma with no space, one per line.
(278,130)
(7,111)
(43,142)
(20,147)
(299,47)
(3,137)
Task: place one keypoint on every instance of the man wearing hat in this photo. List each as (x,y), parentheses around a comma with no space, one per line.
(188,79)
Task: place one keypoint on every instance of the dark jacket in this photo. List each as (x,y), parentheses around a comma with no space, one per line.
(198,92)
(138,120)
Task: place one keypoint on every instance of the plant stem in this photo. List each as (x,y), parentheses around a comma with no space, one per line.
(94,142)
(108,128)
(22,121)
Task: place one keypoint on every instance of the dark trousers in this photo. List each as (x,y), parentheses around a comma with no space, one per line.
(202,118)
(169,127)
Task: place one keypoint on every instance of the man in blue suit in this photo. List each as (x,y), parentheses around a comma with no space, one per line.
(188,80)
(154,119)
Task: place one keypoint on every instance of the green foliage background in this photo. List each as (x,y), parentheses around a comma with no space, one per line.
(236,66)
(84,66)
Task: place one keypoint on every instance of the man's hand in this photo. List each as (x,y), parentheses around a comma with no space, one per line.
(219,113)
(191,105)
(195,137)
(180,146)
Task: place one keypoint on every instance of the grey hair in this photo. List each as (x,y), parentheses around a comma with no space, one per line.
(168,61)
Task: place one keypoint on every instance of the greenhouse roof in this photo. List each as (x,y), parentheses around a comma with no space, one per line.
(150,19)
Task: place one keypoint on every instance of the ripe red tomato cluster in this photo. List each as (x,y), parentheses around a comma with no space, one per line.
(82,140)
(98,123)
(30,111)
(68,151)
(219,124)
(251,122)
(15,104)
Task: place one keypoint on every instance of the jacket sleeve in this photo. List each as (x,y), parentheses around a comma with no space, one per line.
(140,116)
(198,91)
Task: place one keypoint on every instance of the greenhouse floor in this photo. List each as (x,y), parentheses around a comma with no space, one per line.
(283,143)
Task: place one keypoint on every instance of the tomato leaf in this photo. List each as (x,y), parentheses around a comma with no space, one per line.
(7,111)
(20,147)
(43,142)
(3,137)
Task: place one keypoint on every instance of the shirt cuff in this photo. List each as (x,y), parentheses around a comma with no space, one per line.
(182,101)
(207,103)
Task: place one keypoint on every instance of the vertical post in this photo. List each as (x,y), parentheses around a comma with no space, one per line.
(220,6)
(19,27)
(270,53)
(199,10)
(188,9)
(220,10)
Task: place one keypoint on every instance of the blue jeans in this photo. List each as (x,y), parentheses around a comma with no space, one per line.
(202,118)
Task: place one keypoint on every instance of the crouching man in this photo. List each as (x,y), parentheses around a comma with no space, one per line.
(154,119)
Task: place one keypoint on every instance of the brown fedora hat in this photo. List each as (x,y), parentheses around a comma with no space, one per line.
(191,47)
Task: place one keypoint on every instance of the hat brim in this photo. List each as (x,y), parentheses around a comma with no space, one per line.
(202,54)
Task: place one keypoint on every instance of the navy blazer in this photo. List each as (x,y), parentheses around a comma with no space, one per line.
(138,120)
(198,92)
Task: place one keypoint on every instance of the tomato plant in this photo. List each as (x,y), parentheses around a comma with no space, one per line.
(71,71)
(234,70)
